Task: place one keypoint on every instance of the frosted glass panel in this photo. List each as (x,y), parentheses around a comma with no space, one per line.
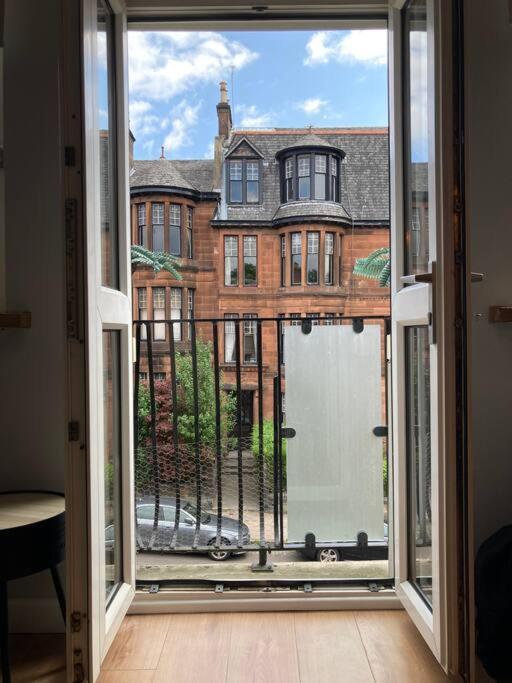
(334,396)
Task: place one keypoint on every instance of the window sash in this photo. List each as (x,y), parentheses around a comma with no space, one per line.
(250,332)
(176,304)
(230,261)
(283,260)
(250,261)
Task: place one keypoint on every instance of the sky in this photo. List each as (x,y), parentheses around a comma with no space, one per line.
(281,79)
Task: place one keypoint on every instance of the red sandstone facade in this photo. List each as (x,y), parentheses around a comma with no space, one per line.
(194,195)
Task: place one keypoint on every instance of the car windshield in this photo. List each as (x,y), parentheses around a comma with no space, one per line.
(192,510)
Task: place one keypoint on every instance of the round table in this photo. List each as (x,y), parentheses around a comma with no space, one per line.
(31,540)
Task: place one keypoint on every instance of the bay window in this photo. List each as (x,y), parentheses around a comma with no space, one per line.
(176,311)
(329,258)
(230,338)
(175,229)
(296,263)
(230,261)
(312,258)
(250,261)
(159,312)
(157,220)
(310,175)
(250,332)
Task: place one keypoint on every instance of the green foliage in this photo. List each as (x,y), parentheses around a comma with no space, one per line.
(268,445)
(157,260)
(206,398)
(375,266)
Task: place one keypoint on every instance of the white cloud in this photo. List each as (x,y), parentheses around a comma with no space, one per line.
(183,118)
(142,121)
(312,105)
(251,117)
(210,151)
(164,64)
(367,47)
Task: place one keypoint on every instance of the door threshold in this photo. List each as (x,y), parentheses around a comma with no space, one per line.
(262,599)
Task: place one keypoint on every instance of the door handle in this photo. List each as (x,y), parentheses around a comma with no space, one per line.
(477,277)
(417,279)
(430,279)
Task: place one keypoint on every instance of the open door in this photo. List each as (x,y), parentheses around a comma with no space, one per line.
(421,292)
(101,554)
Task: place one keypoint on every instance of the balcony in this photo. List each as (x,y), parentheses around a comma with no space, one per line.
(268,462)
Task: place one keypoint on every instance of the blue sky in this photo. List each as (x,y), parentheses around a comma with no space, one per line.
(282,79)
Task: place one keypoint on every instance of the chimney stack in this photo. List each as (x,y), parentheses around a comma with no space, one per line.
(224,111)
(225,123)
(162,155)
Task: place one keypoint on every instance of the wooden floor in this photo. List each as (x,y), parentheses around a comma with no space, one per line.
(282,647)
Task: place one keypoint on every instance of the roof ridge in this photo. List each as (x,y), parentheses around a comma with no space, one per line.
(354,130)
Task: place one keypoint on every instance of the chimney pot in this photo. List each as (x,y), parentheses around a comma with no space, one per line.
(223,91)
(162,155)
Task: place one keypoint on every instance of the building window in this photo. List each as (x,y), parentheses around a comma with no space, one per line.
(230,338)
(250,333)
(142,233)
(175,229)
(157,220)
(310,176)
(244,181)
(340,259)
(315,318)
(159,312)
(283,408)
(295,317)
(230,261)
(320,176)
(329,258)
(335,194)
(190,310)
(312,258)
(304,177)
(250,261)
(142,305)
(329,318)
(159,376)
(283,260)
(176,312)
(289,179)
(190,232)
(252,171)
(235,182)
(143,376)
(296,258)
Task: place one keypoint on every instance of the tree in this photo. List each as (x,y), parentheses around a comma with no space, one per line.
(375,266)
(166,452)
(157,260)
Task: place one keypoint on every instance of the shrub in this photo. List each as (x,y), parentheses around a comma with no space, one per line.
(268,445)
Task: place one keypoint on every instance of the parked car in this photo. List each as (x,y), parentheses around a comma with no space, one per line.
(187,528)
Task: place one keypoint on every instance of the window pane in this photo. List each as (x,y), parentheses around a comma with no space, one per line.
(250,261)
(303,166)
(319,186)
(175,214)
(230,261)
(175,240)
(419,460)
(304,188)
(250,332)
(157,219)
(176,311)
(229,339)
(112,461)
(159,312)
(312,268)
(253,170)
(416,167)
(107,146)
(253,191)
(235,191)
(235,170)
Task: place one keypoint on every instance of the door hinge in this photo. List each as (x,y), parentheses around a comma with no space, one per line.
(72,311)
(78,666)
(76,622)
(73,430)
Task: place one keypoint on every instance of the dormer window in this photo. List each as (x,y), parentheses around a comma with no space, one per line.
(310,174)
(244,181)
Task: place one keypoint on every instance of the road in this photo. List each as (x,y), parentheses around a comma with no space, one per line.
(158,559)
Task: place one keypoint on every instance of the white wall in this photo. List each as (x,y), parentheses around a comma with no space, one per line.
(488,52)
(32,366)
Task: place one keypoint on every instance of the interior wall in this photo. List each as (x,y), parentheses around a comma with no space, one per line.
(32,371)
(488,56)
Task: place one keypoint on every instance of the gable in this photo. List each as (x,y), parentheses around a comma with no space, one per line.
(244,148)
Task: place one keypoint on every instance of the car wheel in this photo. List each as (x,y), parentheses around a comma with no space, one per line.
(328,555)
(219,555)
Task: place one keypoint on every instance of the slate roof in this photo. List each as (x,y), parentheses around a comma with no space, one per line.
(364,171)
(326,210)
(188,174)
(309,140)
